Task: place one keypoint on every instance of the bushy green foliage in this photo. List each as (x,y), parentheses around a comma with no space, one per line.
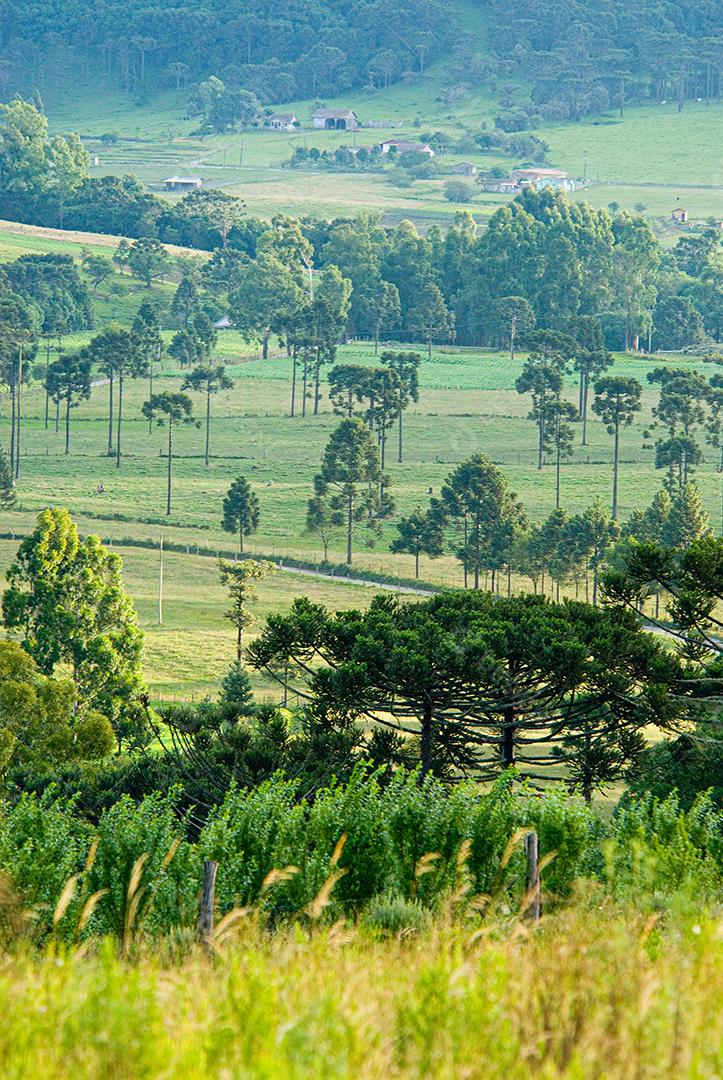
(389,846)
(689,765)
(43,841)
(171,870)
(656,848)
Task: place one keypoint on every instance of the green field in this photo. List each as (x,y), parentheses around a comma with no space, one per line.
(654,156)
(467,404)
(593,993)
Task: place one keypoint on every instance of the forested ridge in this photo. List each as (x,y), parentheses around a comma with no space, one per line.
(577,58)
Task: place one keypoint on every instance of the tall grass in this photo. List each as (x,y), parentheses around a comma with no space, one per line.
(596,992)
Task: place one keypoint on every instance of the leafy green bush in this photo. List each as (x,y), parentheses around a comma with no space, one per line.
(43,841)
(170,879)
(656,849)
(392,915)
(408,846)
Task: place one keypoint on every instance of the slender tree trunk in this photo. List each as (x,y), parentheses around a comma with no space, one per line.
(464,565)
(110,415)
(317,377)
(508,737)
(47,395)
(585,391)
(170,459)
(241,538)
(120,421)
(13,411)
(20,412)
(349,527)
(557,472)
(208,425)
(304,384)
(265,345)
(416,563)
(57,415)
(293,385)
(426,741)
(616,461)
(594,585)
(67,424)
(476,550)
(150,393)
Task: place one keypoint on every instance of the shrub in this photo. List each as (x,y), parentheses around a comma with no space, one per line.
(457,191)
(171,872)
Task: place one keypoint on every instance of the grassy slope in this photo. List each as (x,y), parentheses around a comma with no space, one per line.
(654,156)
(468,403)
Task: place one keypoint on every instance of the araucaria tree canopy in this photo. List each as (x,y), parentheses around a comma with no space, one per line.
(483,684)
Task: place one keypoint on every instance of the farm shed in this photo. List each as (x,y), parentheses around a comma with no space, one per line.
(335,119)
(542,178)
(183,183)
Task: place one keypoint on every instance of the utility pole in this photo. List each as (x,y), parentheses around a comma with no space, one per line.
(160,581)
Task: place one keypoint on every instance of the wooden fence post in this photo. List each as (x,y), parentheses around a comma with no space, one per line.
(208,897)
(534,905)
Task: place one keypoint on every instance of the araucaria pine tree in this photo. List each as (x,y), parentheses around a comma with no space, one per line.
(240,510)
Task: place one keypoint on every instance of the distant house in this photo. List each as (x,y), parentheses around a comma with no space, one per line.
(465,168)
(539,179)
(501,187)
(679,216)
(282,122)
(224,323)
(183,183)
(405,146)
(335,119)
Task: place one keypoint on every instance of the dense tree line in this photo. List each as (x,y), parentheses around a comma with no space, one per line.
(585,59)
(276,52)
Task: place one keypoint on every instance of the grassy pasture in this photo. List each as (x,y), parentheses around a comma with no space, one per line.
(467,403)
(653,156)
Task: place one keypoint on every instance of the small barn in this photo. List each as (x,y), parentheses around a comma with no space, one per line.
(183,183)
(465,168)
(679,215)
(335,119)
(224,323)
(405,146)
(282,122)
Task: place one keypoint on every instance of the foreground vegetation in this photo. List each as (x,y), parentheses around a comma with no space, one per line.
(596,992)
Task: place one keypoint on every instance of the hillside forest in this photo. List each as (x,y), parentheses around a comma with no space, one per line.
(577,59)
